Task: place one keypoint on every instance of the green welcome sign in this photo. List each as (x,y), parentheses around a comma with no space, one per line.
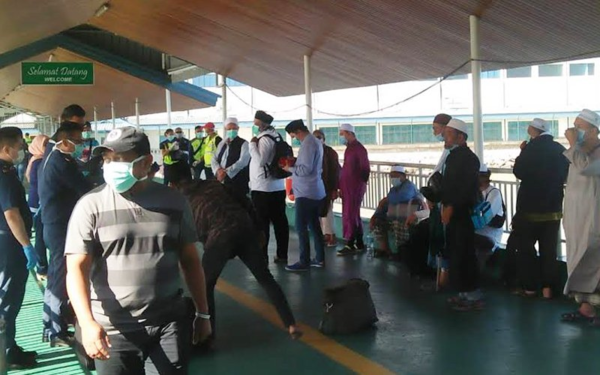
(57,73)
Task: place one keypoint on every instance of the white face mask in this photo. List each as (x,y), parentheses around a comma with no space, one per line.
(439,137)
(65,152)
(396,181)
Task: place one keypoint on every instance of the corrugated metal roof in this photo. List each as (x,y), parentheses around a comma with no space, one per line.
(110,85)
(353,42)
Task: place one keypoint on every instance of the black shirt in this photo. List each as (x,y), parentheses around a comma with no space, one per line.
(460,186)
(12,195)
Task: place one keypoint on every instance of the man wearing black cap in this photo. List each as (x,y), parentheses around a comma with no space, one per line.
(129,238)
(268,192)
(309,191)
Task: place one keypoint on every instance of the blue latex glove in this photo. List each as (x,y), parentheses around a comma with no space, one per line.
(31,256)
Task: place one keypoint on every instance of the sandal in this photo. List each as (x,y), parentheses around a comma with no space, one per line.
(576,317)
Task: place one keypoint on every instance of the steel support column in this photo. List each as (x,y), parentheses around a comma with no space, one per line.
(476,78)
(308,92)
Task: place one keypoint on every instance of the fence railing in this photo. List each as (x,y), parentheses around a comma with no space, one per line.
(379,184)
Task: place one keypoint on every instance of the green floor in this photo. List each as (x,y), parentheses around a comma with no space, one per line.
(417,332)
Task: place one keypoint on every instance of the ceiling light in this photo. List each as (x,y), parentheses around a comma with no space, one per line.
(101,10)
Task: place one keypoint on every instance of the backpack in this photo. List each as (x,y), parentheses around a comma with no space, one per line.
(348,308)
(481,214)
(283,151)
(498,220)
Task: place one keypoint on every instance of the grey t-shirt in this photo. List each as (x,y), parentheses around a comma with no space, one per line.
(135,241)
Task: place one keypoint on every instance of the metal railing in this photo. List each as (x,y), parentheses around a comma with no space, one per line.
(379,184)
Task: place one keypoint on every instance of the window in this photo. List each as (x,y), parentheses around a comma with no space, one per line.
(332,135)
(581,69)
(207,80)
(491,74)
(517,130)
(422,133)
(492,131)
(458,76)
(519,72)
(551,70)
(394,134)
(367,135)
(233,83)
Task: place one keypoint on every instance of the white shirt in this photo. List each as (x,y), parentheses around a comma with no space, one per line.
(494,196)
(262,153)
(234,168)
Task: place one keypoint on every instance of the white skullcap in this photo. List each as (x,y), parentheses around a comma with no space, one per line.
(540,124)
(231,120)
(398,168)
(483,168)
(459,125)
(590,116)
(347,127)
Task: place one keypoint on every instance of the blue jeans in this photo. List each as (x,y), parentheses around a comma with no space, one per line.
(307,216)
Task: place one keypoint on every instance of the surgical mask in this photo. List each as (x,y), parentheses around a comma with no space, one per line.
(65,152)
(255,129)
(231,134)
(179,135)
(20,157)
(396,181)
(439,137)
(170,138)
(199,135)
(343,141)
(78,151)
(580,135)
(86,135)
(119,175)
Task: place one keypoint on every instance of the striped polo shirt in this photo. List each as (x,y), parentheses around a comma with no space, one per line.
(135,241)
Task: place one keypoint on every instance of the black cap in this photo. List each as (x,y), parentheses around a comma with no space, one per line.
(264,117)
(125,139)
(296,125)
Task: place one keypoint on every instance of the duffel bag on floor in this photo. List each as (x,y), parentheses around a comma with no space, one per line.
(348,308)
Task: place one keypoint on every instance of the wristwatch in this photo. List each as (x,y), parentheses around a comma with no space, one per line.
(202,316)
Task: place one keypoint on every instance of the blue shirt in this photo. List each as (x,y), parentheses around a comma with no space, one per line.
(306,173)
(12,195)
(403,193)
(60,186)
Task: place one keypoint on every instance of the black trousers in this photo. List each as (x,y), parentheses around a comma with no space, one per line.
(217,252)
(533,271)
(208,174)
(13,278)
(40,245)
(460,242)
(418,249)
(159,349)
(270,208)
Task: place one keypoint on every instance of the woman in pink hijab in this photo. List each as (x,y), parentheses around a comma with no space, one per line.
(36,149)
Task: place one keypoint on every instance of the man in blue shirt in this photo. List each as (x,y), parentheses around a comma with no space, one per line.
(309,191)
(61,184)
(393,210)
(16,255)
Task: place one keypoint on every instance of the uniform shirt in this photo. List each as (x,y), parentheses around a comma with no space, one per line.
(234,168)
(307,180)
(262,153)
(12,195)
(135,242)
(494,196)
(60,186)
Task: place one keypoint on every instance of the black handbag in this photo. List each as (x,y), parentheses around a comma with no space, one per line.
(348,308)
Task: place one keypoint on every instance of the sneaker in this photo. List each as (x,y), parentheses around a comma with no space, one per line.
(316,264)
(298,267)
(17,359)
(347,250)
(280,260)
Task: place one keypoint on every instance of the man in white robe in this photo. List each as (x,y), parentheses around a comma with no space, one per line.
(582,217)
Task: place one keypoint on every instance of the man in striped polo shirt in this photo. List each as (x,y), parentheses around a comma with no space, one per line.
(130,237)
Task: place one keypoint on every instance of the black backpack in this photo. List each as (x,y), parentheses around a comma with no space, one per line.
(282,151)
(348,308)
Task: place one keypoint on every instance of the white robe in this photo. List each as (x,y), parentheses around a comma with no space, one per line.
(582,221)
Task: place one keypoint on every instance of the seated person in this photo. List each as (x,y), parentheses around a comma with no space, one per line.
(488,237)
(391,214)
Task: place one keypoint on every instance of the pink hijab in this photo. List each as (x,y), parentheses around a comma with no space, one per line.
(36,149)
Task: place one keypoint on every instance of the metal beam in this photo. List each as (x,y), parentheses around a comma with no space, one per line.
(136,70)
(17,55)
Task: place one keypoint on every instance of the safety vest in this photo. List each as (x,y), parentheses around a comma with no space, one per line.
(167,159)
(198,148)
(210,147)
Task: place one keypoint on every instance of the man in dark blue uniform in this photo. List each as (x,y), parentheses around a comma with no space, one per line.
(16,253)
(61,184)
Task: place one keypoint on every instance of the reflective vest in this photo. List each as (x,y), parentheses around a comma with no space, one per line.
(210,147)
(167,159)
(198,148)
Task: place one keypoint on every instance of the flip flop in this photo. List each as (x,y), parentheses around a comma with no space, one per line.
(577,317)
